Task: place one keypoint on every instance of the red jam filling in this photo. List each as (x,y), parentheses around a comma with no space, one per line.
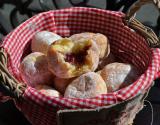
(77,58)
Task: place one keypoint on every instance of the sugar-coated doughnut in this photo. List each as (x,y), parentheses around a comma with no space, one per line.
(100,39)
(34,69)
(87,85)
(48,91)
(41,40)
(117,75)
(69,59)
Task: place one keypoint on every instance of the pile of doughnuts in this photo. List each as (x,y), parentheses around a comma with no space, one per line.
(79,66)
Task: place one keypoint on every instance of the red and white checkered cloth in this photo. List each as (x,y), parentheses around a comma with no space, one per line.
(126,44)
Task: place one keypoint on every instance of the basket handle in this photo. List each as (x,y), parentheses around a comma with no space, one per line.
(137,5)
(9,85)
(146,32)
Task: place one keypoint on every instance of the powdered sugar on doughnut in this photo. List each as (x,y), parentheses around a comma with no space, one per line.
(87,85)
(42,40)
(34,69)
(117,75)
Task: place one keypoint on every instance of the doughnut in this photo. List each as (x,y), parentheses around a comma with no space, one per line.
(100,39)
(68,59)
(87,85)
(61,84)
(41,41)
(34,69)
(48,91)
(118,75)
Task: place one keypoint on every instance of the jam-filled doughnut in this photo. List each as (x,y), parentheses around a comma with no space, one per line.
(118,75)
(48,91)
(100,39)
(87,85)
(34,69)
(41,41)
(69,59)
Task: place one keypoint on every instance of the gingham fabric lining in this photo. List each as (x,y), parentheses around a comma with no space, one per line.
(139,86)
(125,44)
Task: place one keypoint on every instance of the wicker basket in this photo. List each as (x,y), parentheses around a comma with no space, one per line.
(130,42)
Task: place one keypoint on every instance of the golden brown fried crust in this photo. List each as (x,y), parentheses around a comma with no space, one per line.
(100,39)
(61,84)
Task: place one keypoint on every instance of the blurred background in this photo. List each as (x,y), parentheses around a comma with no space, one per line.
(14,12)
